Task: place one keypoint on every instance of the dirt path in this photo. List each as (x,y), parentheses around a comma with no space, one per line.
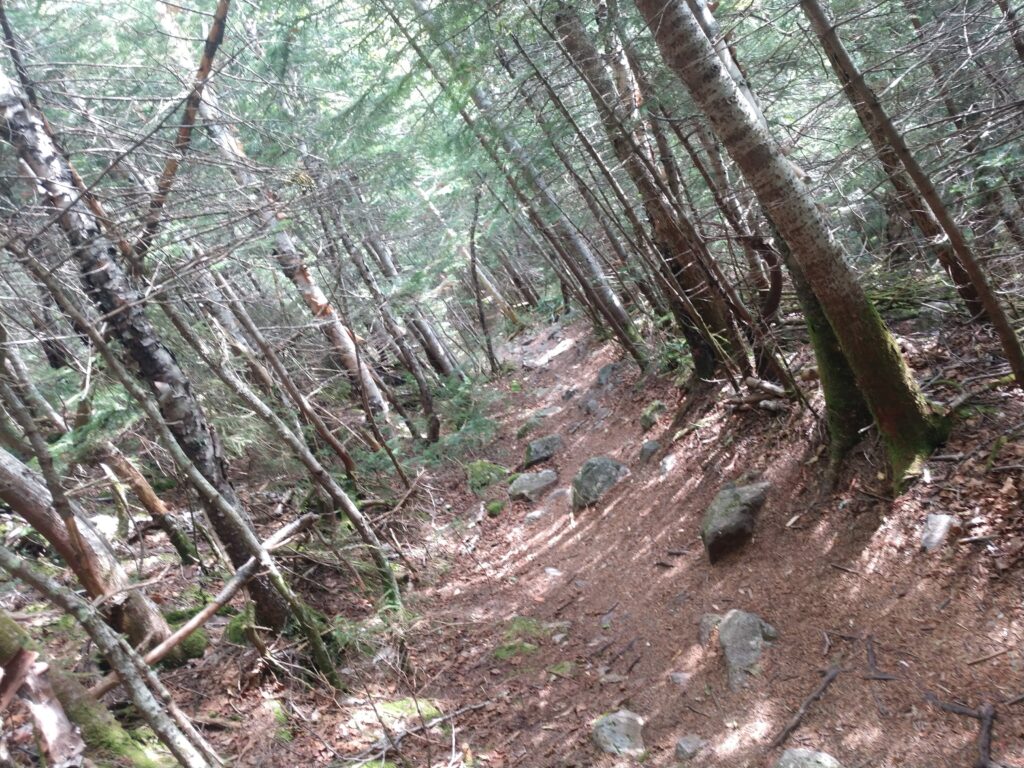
(551,622)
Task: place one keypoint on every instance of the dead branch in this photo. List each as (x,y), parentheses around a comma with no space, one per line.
(794,722)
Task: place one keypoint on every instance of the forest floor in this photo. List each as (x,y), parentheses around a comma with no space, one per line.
(527,627)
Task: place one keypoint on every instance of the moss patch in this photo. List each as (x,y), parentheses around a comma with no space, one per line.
(482,474)
(494,507)
(507,651)
(563,669)
(524,628)
(236,630)
(408,709)
(651,413)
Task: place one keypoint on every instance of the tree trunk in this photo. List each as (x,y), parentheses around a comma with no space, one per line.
(111,291)
(865,100)
(905,420)
(548,205)
(286,253)
(176,733)
(94,564)
(702,315)
(106,740)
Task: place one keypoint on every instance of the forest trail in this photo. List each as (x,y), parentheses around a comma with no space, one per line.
(544,622)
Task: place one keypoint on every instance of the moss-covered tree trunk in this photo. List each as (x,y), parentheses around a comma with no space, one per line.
(907,423)
(107,741)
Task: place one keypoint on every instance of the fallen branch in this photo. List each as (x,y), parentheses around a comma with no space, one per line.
(240,579)
(985,714)
(794,722)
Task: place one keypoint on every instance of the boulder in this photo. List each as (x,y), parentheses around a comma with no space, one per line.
(688,746)
(620,733)
(806,758)
(648,449)
(729,520)
(542,449)
(594,479)
(743,637)
(530,486)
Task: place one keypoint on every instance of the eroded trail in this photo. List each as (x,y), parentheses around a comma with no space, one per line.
(549,618)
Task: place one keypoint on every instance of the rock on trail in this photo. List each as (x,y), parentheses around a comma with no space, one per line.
(595,478)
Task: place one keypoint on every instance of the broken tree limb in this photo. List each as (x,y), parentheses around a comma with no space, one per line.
(230,588)
(985,715)
(794,722)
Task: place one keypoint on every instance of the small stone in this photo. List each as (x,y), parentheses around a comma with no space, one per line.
(530,486)
(620,733)
(936,529)
(542,449)
(594,479)
(729,520)
(682,679)
(607,374)
(806,758)
(688,746)
(648,449)
(560,638)
(532,517)
(668,464)
(554,573)
(742,637)
(569,394)
(592,407)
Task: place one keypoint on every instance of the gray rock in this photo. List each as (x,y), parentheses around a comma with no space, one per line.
(648,449)
(806,758)
(608,374)
(688,746)
(594,479)
(542,449)
(743,637)
(530,486)
(708,624)
(668,464)
(620,733)
(682,679)
(534,516)
(592,407)
(936,529)
(729,520)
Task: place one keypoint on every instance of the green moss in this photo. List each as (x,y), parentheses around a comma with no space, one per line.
(194,646)
(236,630)
(523,627)
(563,669)
(528,426)
(482,474)
(494,507)
(507,651)
(650,415)
(409,708)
